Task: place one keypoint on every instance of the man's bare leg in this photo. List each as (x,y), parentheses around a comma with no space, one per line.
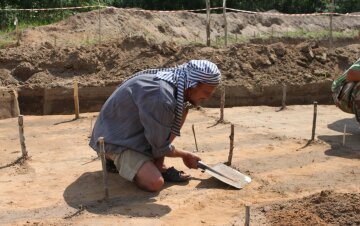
(159,163)
(149,177)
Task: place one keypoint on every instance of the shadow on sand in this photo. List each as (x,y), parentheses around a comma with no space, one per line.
(212,183)
(351,149)
(86,193)
(125,198)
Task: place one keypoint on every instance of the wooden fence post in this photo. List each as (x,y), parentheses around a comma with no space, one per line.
(103,164)
(331,24)
(247,215)
(99,22)
(193,129)
(207,22)
(231,145)
(76,100)
(16,23)
(15,109)
(225,22)
(284,97)
(22,137)
(222,104)
(314,121)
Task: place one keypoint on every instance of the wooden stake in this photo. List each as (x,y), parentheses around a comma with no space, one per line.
(225,22)
(222,103)
(99,22)
(284,97)
(62,11)
(15,109)
(331,24)
(76,100)
(247,215)
(207,22)
(193,129)
(22,137)
(103,163)
(314,121)
(344,136)
(16,22)
(231,145)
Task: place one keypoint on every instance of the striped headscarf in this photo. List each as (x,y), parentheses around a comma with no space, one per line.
(184,77)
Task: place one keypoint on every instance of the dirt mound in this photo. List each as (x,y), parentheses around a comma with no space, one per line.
(180,26)
(136,40)
(6,79)
(326,207)
(24,71)
(251,65)
(43,77)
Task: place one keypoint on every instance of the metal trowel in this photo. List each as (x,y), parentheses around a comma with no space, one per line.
(226,174)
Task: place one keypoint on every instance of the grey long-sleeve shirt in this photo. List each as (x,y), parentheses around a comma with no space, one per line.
(138,116)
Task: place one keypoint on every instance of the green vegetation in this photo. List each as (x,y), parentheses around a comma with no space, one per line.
(6,39)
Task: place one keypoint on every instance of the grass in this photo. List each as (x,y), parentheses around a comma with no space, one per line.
(6,39)
(8,36)
(232,39)
(320,34)
(324,34)
(90,41)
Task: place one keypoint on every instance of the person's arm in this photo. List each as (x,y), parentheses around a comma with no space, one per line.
(189,159)
(353,76)
(186,111)
(156,118)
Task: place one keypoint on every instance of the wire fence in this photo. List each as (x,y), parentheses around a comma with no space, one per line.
(228,25)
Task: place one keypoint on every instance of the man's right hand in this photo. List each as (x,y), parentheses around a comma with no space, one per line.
(191,160)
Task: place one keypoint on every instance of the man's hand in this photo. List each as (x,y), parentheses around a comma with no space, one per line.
(191,161)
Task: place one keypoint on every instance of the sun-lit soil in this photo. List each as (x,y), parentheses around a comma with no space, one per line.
(61,183)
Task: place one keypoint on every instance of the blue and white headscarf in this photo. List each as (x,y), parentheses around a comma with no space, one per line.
(183,77)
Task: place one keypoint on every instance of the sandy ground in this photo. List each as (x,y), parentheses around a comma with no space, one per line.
(61,184)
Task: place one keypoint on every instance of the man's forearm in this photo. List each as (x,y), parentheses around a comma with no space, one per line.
(190,160)
(175,153)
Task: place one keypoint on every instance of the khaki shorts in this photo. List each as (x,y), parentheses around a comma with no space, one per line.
(128,163)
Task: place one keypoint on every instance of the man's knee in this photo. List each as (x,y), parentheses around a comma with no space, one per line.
(155,185)
(149,177)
